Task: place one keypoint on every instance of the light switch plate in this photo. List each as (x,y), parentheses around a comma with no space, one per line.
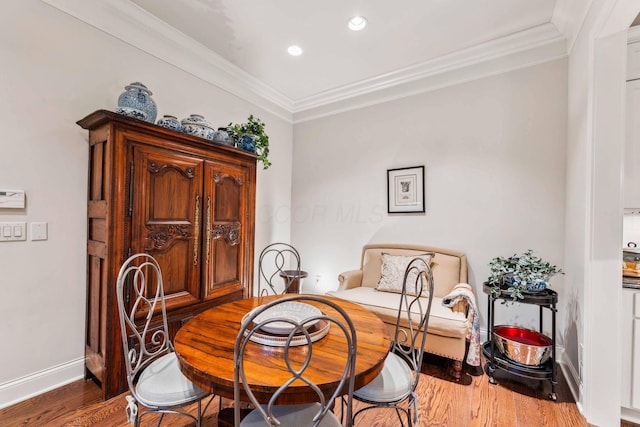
(13,231)
(38,231)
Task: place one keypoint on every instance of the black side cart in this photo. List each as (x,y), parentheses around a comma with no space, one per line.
(497,360)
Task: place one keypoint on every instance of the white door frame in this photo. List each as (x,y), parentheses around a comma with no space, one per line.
(603,287)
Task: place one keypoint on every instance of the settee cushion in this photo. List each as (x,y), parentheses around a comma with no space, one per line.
(393,269)
(442,320)
(445,268)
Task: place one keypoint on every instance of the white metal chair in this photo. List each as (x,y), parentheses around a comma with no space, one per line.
(277,262)
(397,383)
(153,373)
(312,414)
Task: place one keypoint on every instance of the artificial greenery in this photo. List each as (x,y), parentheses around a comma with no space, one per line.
(516,272)
(253,126)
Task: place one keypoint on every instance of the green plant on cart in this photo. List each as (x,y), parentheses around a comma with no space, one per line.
(520,273)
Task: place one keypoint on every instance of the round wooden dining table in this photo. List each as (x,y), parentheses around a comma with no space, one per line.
(205,348)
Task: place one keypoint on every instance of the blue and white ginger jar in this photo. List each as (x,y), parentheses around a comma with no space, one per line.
(136,102)
(222,136)
(196,125)
(247,142)
(170,122)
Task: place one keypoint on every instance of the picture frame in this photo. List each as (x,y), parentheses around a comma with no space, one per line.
(405,190)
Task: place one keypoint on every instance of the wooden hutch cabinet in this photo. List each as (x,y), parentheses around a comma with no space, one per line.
(186,201)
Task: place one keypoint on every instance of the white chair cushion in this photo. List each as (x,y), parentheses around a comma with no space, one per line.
(292,416)
(392,384)
(163,384)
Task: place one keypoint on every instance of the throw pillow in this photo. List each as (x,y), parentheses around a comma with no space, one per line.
(393,269)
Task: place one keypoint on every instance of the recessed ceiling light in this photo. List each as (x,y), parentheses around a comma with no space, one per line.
(294,50)
(357,23)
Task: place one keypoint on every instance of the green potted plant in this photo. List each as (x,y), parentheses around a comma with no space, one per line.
(251,136)
(520,273)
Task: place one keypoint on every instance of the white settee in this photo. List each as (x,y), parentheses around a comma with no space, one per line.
(448,326)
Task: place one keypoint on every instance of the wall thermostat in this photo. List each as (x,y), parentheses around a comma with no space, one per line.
(12,199)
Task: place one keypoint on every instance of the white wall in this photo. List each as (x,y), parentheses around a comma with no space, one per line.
(494,152)
(55,71)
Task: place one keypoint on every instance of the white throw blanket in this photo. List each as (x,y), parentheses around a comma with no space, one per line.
(464,291)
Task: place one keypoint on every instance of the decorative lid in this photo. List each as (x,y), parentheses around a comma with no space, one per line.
(138,85)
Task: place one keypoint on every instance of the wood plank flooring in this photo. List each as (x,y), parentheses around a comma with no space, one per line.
(513,402)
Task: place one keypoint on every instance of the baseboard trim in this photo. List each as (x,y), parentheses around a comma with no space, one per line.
(630,415)
(573,380)
(23,388)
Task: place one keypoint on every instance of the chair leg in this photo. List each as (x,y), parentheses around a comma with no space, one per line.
(457,369)
(401,420)
(202,411)
(345,419)
(132,411)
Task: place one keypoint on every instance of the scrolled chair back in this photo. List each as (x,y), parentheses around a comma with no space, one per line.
(140,282)
(296,363)
(409,342)
(395,387)
(275,259)
(415,305)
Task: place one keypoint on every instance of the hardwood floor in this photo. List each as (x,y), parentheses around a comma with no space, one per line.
(471,402)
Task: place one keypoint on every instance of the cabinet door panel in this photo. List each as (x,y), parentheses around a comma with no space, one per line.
(166,218)
(227,198)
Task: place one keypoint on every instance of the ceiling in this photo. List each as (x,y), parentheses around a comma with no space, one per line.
(408,46)
(401,35)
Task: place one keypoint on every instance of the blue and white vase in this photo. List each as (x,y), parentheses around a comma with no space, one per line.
(196,125)
(136,102)
(170,122)
(247,142)
(537,286)
(222,136)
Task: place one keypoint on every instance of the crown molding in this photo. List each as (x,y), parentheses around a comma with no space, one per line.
(540,38)
(633,34)
(569,17)
(454,77)
(133,25)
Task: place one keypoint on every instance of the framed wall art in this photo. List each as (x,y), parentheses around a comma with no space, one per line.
(405,190)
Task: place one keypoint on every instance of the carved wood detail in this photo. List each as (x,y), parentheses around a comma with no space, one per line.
(154,168)
(229,232)
(218,177)
(161,236)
